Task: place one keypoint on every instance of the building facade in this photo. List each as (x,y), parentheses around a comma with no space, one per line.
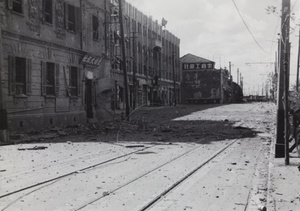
(203,83)
(152,59)
(61,61)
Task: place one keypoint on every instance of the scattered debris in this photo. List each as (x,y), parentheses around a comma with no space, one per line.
(133,146)
(105,193)
(33,148)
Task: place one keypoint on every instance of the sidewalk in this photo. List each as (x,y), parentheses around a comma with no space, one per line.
(284,185)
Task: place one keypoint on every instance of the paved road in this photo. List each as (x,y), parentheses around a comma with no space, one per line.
(220,175)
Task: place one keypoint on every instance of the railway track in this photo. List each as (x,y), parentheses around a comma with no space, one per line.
(37,185)
(31,189)
(162,194)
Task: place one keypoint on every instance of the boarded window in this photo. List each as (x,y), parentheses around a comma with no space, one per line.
(48,11)
(19,76)
(95,22)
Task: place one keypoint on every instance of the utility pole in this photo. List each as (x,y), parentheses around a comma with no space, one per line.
(174,79)
(237,75)
(134,69)
(281,142)
(124,57)
(229,69)
(4,137)
(297,79)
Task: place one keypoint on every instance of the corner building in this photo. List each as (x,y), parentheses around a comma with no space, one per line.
(61,61)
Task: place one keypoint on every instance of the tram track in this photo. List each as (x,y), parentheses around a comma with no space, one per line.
(46,183)
(72,173)
(171,187)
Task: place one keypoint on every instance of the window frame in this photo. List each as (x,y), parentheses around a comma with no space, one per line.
(95,30)
(13,83)
(50,14)
(74,84)
(13,6)
(44,83)
(76,22)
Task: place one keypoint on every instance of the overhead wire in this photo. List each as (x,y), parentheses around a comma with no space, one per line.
(248,27)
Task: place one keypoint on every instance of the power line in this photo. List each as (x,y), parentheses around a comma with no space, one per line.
(248,27)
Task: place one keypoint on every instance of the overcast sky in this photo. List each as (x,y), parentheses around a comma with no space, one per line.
(213,29)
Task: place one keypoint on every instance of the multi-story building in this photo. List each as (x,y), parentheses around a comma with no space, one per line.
(203,83)
(61,61)
(152,59)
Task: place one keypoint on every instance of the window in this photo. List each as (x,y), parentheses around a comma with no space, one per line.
(95,23)
(17,6)
(19,76)
(144,31)
(74,81)
(47,11)
(72,18)
(50,79)
(133,25)
(139,28)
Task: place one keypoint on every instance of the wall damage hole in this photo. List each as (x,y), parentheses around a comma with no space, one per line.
(21,124)
(74,119)
(51,121)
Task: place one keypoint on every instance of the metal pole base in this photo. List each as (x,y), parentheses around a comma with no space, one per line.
(279,150)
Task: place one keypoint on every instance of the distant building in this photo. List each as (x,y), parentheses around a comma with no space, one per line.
(61,61)
(203,83)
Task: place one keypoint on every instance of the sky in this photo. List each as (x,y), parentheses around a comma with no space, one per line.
(213,29)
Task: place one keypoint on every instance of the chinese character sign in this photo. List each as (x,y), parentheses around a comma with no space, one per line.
(197,66)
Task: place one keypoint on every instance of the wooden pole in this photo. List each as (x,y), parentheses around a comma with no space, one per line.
(298,61)
(283,42)
(124,57)
(4,137)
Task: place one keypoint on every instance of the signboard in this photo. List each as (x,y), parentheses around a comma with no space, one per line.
(91,60)
(201,84)
(197,66)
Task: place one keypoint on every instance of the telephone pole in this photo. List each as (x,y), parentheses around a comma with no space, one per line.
(4,137)
(124,57)
(174,80)
(281,146)
(297,79)
(134,81)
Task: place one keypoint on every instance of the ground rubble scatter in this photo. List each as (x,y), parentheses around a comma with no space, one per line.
(239,175)
(145,124)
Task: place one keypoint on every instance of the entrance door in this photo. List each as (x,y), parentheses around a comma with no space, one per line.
(88,98)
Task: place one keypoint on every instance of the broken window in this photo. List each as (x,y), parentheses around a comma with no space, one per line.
(17,6)
(47,11)
(74,81)
(95,23)
(50,79)
(19,75)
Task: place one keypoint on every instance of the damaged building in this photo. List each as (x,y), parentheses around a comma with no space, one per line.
(61,62)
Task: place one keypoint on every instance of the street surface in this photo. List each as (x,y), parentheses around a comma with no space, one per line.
(215,158)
